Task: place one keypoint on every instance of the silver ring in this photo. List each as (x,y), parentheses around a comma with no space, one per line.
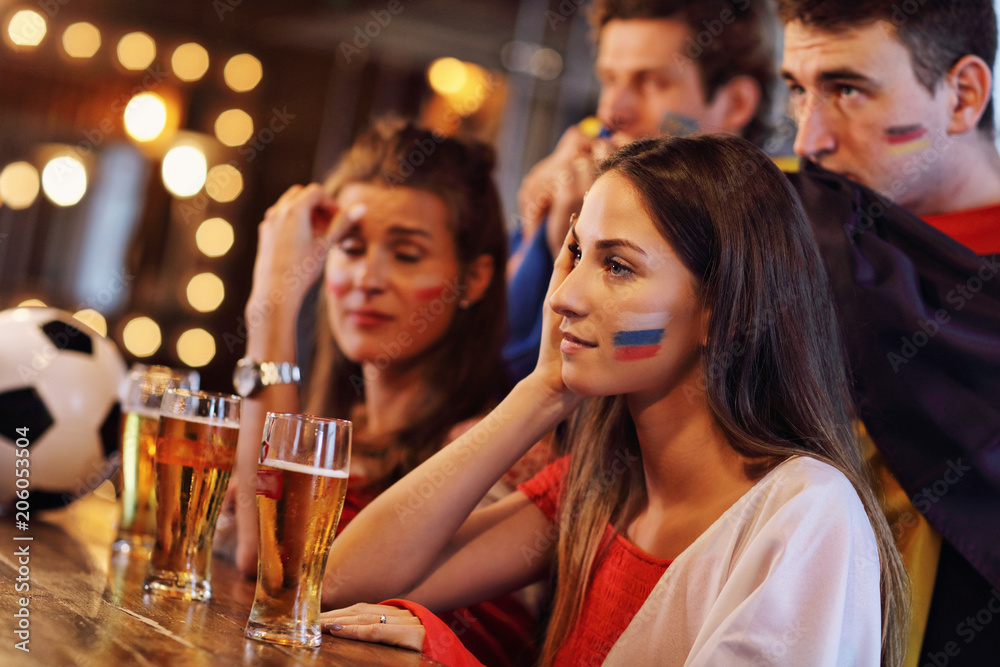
(381,619)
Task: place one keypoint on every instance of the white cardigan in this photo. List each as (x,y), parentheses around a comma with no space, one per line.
(789,575)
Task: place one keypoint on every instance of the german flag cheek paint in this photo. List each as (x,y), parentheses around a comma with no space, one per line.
(640,339)
(906,139)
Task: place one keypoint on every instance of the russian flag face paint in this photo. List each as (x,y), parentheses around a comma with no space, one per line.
(906,139)
(678,125)
(641,336)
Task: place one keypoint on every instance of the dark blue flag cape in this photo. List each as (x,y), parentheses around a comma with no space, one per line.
(920,316)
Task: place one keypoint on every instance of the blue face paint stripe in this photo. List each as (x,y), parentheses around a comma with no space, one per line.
(677,125)
(640,337)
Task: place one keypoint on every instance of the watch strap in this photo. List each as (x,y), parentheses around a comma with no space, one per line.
(251,376)
(278,372)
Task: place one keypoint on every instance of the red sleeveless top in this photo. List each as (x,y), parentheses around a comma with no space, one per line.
(622,579)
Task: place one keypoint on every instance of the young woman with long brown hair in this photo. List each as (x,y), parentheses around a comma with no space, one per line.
(713,508)
(406,237)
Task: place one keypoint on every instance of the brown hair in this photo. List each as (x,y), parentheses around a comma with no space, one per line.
(936,33)
(744,46)
(463,370)
(774,370)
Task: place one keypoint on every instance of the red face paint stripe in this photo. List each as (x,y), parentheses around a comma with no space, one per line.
(337,289)
(428,293)
(902,135)
(636,352)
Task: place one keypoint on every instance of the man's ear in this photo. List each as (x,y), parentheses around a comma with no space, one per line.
(735,104)
(478,275)
(969,87)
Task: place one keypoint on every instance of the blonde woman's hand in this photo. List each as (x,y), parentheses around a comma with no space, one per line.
(291,246)
(364,622)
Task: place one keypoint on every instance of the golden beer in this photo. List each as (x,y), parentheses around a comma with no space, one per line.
(298,507)
(137,446)
(141,399)
(301,483)
(194,460)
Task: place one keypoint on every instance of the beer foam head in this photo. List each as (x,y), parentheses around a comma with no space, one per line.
(301,467)
(209,421)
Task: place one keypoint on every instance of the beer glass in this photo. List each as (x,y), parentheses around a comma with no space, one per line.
(195,453)
(141,395)
(301,482)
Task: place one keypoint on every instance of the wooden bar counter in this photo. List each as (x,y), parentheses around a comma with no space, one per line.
(87,606)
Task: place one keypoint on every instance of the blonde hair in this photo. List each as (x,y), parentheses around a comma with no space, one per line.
(463,370)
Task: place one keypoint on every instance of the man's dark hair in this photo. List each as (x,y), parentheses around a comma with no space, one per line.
(738,40)
(937,33)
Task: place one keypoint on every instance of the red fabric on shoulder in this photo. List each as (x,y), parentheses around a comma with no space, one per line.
(440,643)
(545,488)
(976,228)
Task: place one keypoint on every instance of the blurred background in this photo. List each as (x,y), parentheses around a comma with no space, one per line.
(141,142)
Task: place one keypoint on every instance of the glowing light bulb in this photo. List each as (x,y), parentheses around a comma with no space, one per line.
(26,28)
(64,180)
(136,51)
(447,75)
(243,72)
(234,127)
(145,116)
(196,347)
(81,40)
(214,237)
(190,61)
(184,171)
(142,336)
(19,185)
(205,292)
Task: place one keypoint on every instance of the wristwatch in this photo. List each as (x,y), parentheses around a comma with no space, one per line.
(251,376)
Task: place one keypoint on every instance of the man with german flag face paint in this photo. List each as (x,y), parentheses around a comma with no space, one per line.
(901,180)
(870,108)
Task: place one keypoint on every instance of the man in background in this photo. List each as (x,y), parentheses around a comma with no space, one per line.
(664,66)
(896,96)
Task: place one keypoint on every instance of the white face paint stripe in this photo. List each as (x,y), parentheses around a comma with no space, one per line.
(426,282)
(631,321)
(355,212)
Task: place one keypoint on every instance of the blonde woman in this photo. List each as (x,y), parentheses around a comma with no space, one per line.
(406,236)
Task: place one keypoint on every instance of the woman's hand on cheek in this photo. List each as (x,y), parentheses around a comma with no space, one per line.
(363,622)
(549,366)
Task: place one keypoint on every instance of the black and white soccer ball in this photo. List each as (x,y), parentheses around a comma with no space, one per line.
(59,383)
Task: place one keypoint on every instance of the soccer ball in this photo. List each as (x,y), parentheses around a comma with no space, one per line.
(59,385)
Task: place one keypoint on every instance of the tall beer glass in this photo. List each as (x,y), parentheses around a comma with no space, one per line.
(195,453)
(141,395)
(301,482)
